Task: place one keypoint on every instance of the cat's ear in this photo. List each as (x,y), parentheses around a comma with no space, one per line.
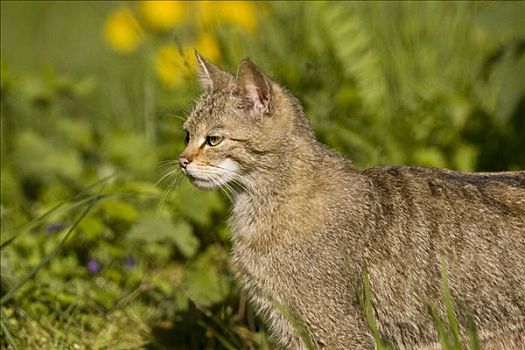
(210,76)
(255,89)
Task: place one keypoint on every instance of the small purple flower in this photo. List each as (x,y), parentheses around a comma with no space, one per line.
(93,266)
(55,227)
(129,261)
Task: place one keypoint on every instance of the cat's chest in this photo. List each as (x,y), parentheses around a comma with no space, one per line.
(248,218)
(254,251)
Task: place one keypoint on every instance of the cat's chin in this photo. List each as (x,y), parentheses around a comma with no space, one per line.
(204,184)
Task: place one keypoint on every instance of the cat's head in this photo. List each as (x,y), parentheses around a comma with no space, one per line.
(239,126)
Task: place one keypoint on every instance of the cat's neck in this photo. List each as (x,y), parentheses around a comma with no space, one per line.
(279,194)
(295,154)
(300,160)
(297,169)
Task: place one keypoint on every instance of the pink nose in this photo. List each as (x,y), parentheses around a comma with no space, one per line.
(183,162)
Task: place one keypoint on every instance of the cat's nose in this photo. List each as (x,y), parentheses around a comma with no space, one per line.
(183,162)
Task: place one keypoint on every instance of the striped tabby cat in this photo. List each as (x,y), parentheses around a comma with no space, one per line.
(306,224)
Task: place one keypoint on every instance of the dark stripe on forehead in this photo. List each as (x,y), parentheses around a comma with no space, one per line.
(209,110)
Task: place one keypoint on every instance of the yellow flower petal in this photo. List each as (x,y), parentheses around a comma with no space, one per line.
(208,47)
(122,30)
(207,11)
(240,13)
(163,15)
(171,66)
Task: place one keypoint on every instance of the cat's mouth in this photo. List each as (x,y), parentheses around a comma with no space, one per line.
(212,176)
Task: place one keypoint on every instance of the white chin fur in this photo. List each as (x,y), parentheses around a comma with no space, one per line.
(229,167)
(212,177)
(204,184)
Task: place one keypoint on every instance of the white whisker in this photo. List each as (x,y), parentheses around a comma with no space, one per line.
(239,179)
(168,161)
(178,117)
(167,175)
(224,188)
(166,193)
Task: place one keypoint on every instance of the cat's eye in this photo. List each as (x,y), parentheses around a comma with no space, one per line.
(214,140)
(187,138)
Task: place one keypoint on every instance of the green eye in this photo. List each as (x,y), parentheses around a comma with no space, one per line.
(214,140)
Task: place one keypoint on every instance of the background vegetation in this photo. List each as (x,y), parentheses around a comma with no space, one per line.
(100,251)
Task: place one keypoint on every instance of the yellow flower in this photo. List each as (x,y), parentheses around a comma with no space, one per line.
(122,30)
(208,47)
(174,66)
(240,13)
(171,66)
(163,15)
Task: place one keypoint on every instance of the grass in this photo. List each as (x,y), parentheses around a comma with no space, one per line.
(365,303)
(10,294)
(447,328)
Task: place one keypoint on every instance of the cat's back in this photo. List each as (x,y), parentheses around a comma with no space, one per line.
(425,215)
(474,223)
(414,189)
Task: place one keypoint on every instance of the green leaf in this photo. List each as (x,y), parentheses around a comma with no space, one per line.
(11,293)
(76,131)
(205,284)
(10,186)
(197,205)
(132,151)
(37,157)
(430,156)
(141,188)
(187,243)
(465,157)
(509,75)
(91,227)
(169,278)
(116,209)
(153,228)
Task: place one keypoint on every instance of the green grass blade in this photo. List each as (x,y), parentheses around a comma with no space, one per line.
(77,200)
(368,310)
(222,328)
(449,308)
(217,335)
(438,323)
(364,299)
(473,333)
(5,330)
(9,295)
(296,323)
(33,223)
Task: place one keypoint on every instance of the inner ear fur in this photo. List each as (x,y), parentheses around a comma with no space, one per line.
(254,87)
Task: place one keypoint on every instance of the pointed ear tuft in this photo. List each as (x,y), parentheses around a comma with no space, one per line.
(210,76)
(254,87)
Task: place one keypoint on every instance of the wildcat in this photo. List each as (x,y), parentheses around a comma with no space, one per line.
(306,224)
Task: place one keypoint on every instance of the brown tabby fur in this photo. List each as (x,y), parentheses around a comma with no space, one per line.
(306,223)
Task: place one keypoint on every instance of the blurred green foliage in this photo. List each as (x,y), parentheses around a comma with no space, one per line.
(434,84)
